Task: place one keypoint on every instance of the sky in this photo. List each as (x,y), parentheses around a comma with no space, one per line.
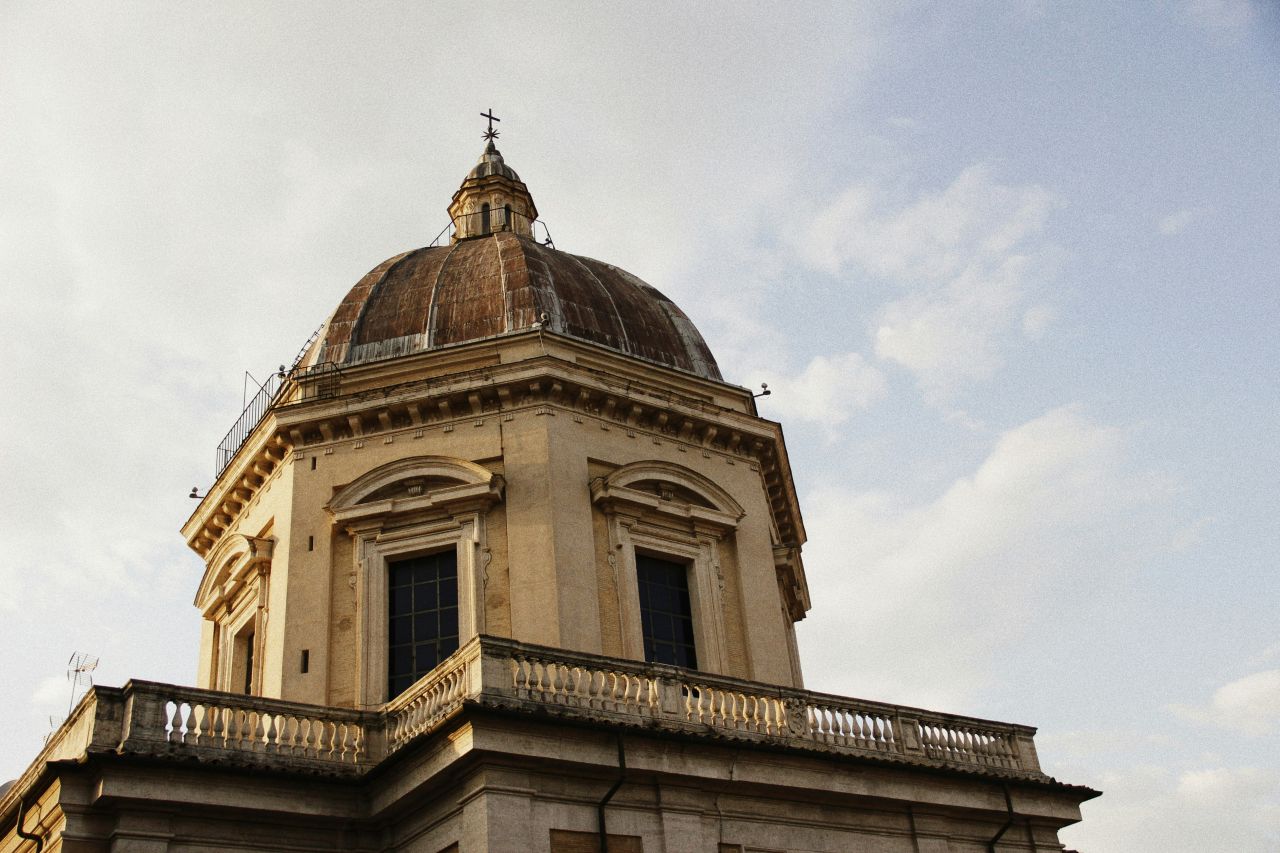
(1009,268)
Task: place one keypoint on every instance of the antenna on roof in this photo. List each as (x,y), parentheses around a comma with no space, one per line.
(79,667)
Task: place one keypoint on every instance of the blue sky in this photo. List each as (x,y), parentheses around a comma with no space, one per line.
(1009,267)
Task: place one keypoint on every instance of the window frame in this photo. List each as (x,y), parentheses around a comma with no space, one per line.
(639,521)
(457,606)
(385,530)
(683,568)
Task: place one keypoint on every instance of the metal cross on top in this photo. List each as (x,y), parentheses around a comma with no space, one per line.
(490,134)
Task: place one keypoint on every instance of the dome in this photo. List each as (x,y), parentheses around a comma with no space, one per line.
(499,284)
(491,164)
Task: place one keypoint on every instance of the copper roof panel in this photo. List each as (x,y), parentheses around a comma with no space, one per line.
(502,283)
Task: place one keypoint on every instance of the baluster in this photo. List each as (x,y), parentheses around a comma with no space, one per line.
(609,690)
(259,732)
(175,722)
(628,683)
(595,686)
(268,732)
(564,686)
(346,745)
(862,729)
(289,735)
(189,724)
(213,726)
(353,743)
(526,677)
(539,678)
(570,684)
(306,729)
(555,684)
(324,746)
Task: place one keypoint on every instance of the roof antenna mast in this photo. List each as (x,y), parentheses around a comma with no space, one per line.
(79,669)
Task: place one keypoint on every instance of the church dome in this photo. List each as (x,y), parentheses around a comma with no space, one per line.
(495,279)
(491,164)
(486,286)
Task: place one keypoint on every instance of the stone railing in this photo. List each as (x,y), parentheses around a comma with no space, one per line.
(163,720)
(589,686)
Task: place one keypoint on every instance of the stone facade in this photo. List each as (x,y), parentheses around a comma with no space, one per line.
(548,456)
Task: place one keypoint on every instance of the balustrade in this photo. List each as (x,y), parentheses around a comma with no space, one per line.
(503,673)
(205,720)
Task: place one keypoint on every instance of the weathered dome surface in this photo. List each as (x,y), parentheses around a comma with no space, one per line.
(495,285)
(491,163)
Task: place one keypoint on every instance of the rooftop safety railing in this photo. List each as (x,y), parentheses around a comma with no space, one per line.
(249,419)
(485,222)
(256,410)
(162,719)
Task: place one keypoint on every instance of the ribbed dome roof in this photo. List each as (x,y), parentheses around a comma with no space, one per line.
(491,163)
(494,285)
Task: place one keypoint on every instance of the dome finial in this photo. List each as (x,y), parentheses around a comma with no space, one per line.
(492,197)
(490,134)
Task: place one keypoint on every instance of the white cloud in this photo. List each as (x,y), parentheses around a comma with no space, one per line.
(966,256)
(1189,810)
(1177,222)
(828,391)
(1250,704)
(1221,14)
(913,586)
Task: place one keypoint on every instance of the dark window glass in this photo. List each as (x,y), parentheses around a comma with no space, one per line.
(248,664)
(423,619)
(665,616)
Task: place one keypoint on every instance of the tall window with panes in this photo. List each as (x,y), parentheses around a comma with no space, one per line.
(666,617)
(423,617)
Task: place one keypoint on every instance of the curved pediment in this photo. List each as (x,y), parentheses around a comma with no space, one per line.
(668,489)
(228,563)
(415,484)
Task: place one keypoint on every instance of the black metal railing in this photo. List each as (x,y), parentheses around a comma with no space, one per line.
(257,409)
(492,221)
(249,418)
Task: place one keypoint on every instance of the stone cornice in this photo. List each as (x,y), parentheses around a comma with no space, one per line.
(666,405)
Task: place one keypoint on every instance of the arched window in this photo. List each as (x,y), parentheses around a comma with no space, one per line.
(484,218)
(419,531)
(667,524)
(234,598)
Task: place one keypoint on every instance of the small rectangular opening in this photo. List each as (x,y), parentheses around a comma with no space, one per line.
(248,663)
(306,659)
(311,543)
(313,463)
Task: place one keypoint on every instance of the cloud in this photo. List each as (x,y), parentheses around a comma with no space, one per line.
(1220,15)
(913,585)
(1177,222)
(1250,705)
(828,391)
(965,256)
(1182,810)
